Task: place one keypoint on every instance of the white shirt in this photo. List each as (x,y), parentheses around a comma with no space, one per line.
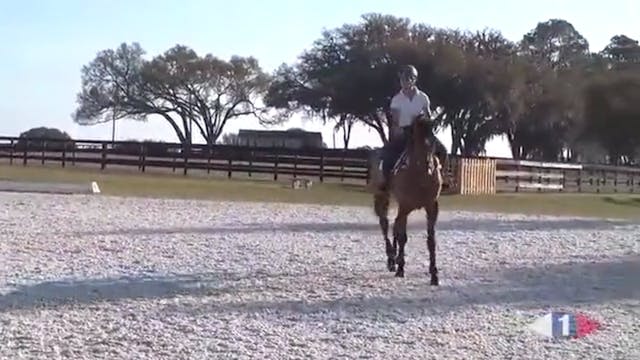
(408,109)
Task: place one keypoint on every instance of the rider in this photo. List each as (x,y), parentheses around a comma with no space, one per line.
(406,105)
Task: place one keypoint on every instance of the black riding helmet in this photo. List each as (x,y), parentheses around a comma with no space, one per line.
(408,72)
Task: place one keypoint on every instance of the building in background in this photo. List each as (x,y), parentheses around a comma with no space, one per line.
(292,139)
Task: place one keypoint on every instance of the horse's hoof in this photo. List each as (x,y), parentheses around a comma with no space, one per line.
(400,273)
(391,265)
(391,268)
(434,281)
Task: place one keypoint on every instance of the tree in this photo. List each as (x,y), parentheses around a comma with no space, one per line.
(36,139)
(622,49)
(178,85)
(345,124)
(555,57)
(347,75)
(230,139)
(555,42)
(112,88)
(474,86)
(350,75)
(480,84)
(207,90)
(613,115)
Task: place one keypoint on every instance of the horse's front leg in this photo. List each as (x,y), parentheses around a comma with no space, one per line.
(400,236)
(390,248)
(382,209)
(432,218)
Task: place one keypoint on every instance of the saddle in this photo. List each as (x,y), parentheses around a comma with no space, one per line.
(403,163)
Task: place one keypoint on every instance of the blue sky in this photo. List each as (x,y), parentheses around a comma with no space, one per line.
(47,42)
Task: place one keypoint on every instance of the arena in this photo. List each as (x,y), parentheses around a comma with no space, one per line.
(99,277)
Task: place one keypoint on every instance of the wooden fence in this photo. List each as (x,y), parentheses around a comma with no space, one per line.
(466,176)
(251,161)
(526,176)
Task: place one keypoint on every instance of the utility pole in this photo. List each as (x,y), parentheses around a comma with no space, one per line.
(113,129)
(113,118)
(190,120)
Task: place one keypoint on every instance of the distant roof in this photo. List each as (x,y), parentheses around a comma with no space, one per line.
(281,133)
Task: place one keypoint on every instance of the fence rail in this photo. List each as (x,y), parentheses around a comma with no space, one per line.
(467,176)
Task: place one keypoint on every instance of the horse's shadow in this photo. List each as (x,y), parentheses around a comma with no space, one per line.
(549,286)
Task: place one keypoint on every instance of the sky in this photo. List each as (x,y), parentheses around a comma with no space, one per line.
(47,42)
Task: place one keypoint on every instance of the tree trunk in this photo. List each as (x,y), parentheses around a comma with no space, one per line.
(346,132)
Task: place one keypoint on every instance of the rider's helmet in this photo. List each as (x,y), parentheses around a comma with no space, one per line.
(408,73)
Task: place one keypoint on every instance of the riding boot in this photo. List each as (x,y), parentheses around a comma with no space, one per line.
(390,156)
(386,174)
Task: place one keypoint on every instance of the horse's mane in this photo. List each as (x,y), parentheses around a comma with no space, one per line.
(422,148)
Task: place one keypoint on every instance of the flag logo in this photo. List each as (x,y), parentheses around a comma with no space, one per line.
(564,325)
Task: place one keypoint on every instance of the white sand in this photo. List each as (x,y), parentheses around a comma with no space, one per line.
(94,277)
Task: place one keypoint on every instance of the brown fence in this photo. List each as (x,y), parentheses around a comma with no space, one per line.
(527,176)
(145,156)
(466,176)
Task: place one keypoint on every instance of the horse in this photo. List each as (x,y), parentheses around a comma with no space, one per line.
(415,185)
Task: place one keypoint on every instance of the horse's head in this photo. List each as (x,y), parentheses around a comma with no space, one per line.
(419,136)
(422,149)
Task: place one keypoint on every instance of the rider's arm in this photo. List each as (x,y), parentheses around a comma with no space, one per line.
(428,113)
(427,107)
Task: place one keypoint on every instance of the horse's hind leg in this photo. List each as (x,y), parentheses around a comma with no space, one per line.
(400,235)
(381,205)
(432,218)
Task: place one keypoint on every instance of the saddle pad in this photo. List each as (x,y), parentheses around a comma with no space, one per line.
(402,163)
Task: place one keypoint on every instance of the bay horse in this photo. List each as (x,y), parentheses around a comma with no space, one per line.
(415,185)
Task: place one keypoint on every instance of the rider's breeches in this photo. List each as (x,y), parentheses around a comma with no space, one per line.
(393,149)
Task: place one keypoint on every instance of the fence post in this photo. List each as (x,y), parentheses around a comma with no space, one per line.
(64,154)
(209,155)
(342,167)
(368,168)
(103,161)
(44,150)
(275,168)
(24,158)
(250,163)
(185,153)
(11,152)
(322,166)
(295,166)
(518,176)
(580,175)
(143,157)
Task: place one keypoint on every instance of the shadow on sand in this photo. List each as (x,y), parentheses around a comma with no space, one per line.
(553,285)
(631,201)
(464,224)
